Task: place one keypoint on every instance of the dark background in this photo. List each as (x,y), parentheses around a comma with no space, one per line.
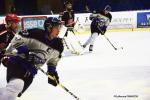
(32,7)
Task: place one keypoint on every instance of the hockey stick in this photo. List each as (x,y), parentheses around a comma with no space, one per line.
(63,87)
(51,77)
(112,44)
(109,40)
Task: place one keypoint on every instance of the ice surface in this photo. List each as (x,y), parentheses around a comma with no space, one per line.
(104,74)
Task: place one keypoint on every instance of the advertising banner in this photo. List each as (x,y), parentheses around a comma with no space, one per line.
(143,19)
(33,22)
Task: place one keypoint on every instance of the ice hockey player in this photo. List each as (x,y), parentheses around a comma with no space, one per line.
(69,38)
(28,51)
(7,31)
(99,24)
(68,17)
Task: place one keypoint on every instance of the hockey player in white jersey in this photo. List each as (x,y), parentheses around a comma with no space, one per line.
(28,51)
(99,24)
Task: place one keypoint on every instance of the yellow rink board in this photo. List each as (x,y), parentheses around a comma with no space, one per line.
(117,30)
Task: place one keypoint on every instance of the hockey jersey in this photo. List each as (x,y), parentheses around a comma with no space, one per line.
(68,18)
(37,42)
(100,21)
(5,36)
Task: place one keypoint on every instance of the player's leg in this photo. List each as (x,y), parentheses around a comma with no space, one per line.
(91,41)
(88,41)
(12,89)
(16,69)
(93,37)
(27,82)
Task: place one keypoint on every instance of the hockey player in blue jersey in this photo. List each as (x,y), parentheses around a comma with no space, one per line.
(28,51)
(99,24)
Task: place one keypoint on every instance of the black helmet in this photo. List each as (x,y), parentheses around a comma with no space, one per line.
(51,22)
(107,8)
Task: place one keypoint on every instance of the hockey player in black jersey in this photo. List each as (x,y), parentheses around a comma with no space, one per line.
(7,31)
(68,17)
(99,24)
(30,50)
(70,40)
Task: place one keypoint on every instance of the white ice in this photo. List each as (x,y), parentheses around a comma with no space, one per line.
(104,74)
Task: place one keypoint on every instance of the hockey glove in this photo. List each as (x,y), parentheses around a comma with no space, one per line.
(52,72)
(33,58)
(102,33)
(102,30)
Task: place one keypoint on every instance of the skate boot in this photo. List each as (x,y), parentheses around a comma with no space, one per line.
(83,46)
(91,48)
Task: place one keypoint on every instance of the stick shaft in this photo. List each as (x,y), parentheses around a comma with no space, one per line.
(110,42)
(63,87)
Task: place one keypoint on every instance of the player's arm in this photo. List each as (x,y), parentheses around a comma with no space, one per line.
(63,17)
(92,16)
(51,68)
(107,18)
(110,17)
(17,45)
(55,56)
(2,46)
(107,22)
(3,41)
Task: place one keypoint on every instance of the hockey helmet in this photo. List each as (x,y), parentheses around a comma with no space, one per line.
(51,22)
(68,5)
(12,17)
(67,2)
(107,8)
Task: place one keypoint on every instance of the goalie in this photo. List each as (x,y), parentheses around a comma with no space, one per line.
(99,24)
(69,38)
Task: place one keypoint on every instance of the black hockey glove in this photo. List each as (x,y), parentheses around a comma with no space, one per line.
(34,59)
(52,72)
(102,30)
